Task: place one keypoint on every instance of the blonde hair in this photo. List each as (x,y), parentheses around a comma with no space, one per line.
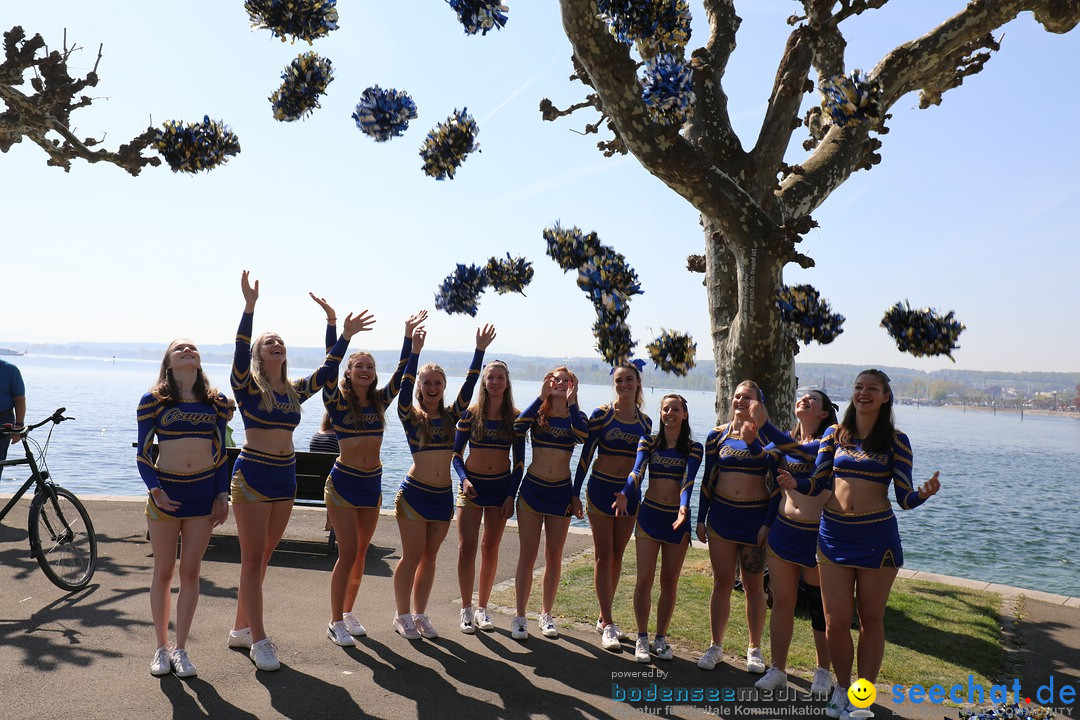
(258,375)
(420,416)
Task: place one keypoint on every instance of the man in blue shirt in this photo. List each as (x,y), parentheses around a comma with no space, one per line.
(12,403)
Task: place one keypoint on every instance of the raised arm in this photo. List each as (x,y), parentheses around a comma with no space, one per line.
(822,479)
(326,374)
(241,369)
(527,416)
(408,378)
(331,320)
(578,421)
(414,323)
(484,336)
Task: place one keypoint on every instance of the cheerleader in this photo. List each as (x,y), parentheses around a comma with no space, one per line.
(663,527)
(614,432)
(547,500)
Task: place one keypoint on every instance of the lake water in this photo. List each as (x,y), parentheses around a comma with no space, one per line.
(1006,511)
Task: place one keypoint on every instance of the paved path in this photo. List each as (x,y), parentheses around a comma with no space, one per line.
(86,655)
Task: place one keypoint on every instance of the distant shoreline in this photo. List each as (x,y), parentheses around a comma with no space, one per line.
(1012,411)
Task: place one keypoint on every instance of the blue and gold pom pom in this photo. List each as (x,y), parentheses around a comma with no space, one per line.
(303,82)
(509,275)
(923,331)
(656,25)
(807,315)
(191,147)
(384,114)
(851,99)
(673,352)
(479,16)
(608,281)
(448,144)
(306,20)
(570,247)
(1010,711)
(668,89)
(460,291)
(613,340)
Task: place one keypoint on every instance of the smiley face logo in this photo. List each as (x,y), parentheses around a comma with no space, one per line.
(862,693)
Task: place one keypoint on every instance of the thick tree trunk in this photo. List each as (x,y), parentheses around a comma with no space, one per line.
(749,341)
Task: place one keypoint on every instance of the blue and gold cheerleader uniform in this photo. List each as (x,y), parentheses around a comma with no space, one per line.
(609,436)
(195,491)
(726,518)
(550,497)
(491,489)
(348,486)
(417,500)
(655,519)
(259,476)
(870,539)
(790,540)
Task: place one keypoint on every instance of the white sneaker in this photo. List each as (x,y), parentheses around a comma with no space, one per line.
(424,626)
(846,714)
(641,649)
(774,679)
(240,638)
(467,626)
(610,639)
(482,620)
(181,663)
(755,662)
(837,703)
(264,655)
(711,657)
(353,625)
(405,627)
(620,634)
(662,649)
(161,665)
(519,629)
(599,625)
(822,682)
(547,626)
(339,634)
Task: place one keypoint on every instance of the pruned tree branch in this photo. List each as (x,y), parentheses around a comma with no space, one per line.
(710,127)
(48,111)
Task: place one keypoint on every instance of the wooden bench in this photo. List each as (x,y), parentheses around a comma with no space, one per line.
(312,469)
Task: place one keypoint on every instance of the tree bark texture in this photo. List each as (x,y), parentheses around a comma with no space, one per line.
(753,205)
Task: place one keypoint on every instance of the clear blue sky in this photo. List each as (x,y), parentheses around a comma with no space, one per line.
(972,208)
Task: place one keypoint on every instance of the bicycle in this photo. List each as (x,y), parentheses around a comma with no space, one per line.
(61,534)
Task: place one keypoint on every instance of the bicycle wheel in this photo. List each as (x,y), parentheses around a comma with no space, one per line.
(62,538)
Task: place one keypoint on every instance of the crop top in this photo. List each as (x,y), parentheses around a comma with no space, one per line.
(441,438)
(786,453)
(560,433)
(282,416)
(183,420)
(665,464)
(609,436)
(724,453)
(853,462)
(493,437)
(369,423)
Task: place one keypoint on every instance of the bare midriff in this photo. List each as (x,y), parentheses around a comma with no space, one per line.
(858,495)
(362,453)
(184,455)
(550,464)
(272,441)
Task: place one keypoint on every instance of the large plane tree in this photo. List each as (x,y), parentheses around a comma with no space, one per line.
(755,203)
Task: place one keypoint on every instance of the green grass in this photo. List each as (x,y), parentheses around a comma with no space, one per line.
(933,632)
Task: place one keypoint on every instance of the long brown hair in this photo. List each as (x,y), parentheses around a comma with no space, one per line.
(507,411)
(545,410)
(881,435)
(258,374)
(420,416)
(166,389)
(685,443)
(828,421)
(373,396)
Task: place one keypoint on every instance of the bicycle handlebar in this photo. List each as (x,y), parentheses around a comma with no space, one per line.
(57,418)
